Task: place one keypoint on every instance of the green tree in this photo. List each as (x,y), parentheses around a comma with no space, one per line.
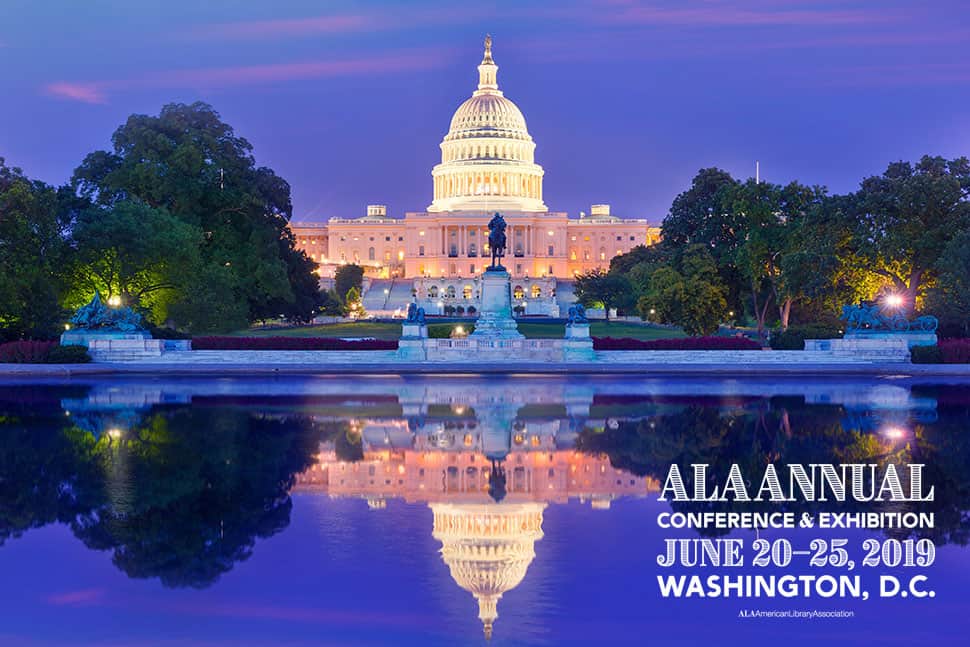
(949,299)
(601,289)
(33,252)
(772,216)
(702,216)
(353,306)
(136,252)
(190,163)
(904,218)
(346,277)
(690,296)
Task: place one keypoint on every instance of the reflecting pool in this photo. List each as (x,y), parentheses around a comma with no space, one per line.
(440,510)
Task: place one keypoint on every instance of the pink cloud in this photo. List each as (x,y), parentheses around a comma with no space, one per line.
(83,597)
(219,77)
(285,27)
(712,13)
(83,92)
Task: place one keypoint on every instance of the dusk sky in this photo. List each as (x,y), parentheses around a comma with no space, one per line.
(626,100)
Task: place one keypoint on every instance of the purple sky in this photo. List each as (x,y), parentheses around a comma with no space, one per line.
(626,100)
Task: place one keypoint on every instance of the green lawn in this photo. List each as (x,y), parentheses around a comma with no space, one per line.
(362,329)
(531,329)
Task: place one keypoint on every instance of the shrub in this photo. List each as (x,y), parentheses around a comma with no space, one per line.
(70,354)
(161,332)
(26,351)
(926,355)
(290,343)
(685,343)
(794,338)
(955,351)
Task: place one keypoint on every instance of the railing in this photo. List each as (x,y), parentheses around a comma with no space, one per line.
(496,344)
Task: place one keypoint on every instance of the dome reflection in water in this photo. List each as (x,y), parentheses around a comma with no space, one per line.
(179,482)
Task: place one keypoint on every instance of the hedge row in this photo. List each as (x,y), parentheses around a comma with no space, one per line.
(794,338)
(947,351)
(290,343)
(42,352)
(685,343)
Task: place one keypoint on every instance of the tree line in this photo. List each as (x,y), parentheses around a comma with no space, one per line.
(176,220)
(772,255)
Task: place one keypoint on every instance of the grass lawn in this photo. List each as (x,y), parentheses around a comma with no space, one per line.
(362,329)
(531,329)
(539,330)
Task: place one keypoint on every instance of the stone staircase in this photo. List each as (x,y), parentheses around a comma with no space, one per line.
(374,299)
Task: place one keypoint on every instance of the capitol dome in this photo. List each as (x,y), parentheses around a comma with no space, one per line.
(488,548)
(488,156)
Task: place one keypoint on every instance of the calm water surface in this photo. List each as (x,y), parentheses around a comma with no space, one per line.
(433,511)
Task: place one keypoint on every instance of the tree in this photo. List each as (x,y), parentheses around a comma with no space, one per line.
(772,216)
(33,252)
(690,296)
(136,252)
(702,216)
(353,306)
(190,163)
(346,277)
(598,288)
(904,218)
(949,299)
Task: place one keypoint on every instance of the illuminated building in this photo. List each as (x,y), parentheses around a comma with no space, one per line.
(487,165)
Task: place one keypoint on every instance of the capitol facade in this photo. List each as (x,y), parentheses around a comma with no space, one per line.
(487,165)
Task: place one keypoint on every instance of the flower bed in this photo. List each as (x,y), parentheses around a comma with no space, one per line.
(290,343)
(685,343)
(42,352)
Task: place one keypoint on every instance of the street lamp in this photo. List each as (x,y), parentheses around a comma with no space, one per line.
(894,300)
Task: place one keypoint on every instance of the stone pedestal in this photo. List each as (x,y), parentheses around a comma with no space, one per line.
(912,337)
(578,344)
(84,336)
(412,345)
(495,316)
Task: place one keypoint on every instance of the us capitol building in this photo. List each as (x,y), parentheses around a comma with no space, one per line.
(487,166)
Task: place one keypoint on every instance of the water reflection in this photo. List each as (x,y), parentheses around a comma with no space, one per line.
(178,481)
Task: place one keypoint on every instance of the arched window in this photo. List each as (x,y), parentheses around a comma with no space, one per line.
(450,292)
(536,292)
(602,253)
(466,292)
(472,248)
(433,292)
(370,254)
(518,292)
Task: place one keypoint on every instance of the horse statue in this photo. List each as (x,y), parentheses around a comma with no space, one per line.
(496,240)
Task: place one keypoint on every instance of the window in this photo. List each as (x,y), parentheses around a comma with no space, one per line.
(472,249)
(400,239)
(370,253)
(466,292)
(633,237)
(602,254)
(433,292)
(552,250)
(536,292)
(387,256)
(421,250)
(387,239)
(450,292)
(572,255)
(471,268)
(518,292)
(518,269)
(549,272)
(400,254)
